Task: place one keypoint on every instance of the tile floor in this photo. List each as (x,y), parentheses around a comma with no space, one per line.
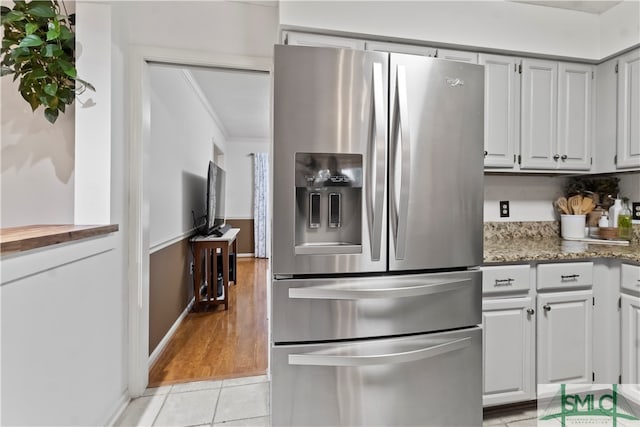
(234,402)
(241,402)
(511,417)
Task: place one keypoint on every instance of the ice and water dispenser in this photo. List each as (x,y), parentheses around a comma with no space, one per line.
(328,203)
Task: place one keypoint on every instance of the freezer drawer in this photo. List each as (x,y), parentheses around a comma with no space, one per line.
(346,308)
(421,380)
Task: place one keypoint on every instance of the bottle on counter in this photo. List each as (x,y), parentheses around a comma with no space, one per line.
(624,222)
(604,221)
(614,212)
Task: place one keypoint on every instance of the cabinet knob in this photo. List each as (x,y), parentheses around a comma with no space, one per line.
(564,157)
(546,307)
(556,157)
(485,153)
(530,311)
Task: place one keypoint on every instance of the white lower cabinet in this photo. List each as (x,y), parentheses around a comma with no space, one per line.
(564,337)
(630,328)
(508,350)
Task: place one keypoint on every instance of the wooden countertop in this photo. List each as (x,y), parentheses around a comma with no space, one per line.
(18,239)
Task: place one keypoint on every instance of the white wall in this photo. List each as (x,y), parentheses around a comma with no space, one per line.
(37,161)
(630,187)
(239,168)
(182,135)
(530,197)
(486,24)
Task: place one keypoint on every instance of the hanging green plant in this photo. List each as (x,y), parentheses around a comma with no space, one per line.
(38,48)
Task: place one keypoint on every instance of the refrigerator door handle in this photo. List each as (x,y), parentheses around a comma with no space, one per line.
(401,121)
(377,163)
(338,291)
(323,359)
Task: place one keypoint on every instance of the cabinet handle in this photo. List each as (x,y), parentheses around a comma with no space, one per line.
(504,282)
(556,157)
(530,311)
(570,277)
(546,307)
(485,153)
(564,157)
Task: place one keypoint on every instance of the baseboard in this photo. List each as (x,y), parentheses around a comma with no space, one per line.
(245,255)
(165,340)
(122,404)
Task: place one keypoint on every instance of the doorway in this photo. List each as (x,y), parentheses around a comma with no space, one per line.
(140,182)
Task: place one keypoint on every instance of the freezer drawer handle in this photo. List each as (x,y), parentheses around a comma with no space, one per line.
(320,359)
(338,291)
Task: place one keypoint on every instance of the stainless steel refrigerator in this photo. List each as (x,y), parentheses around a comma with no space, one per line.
(377,239)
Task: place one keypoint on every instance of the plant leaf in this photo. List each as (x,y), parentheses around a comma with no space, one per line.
(67,68)
(32,40)
(51,115)
(31,98)
(13,16)
(42,9)
(4,71)
(30,28)
(51,89)
(66,33)
(51,50)
(37,73)
(4,10)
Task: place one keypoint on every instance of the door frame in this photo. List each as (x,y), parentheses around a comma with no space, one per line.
(138,167)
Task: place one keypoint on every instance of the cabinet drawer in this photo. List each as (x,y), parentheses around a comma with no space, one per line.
(630,277)
(565,275)
(502,279)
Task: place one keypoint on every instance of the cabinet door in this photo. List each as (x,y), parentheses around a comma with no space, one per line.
(400,48)
(508,350)
(538,141)
(501,109)
(575,104)
(305,39)
(458,55)
(629,110)
(630,340)
(564,337)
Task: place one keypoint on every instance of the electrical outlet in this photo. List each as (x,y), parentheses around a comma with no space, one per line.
(504,209)
(635,210)
(191,268)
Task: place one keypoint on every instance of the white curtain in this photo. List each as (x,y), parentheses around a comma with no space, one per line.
(261,204)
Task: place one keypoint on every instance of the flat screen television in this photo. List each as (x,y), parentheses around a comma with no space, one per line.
(215,220)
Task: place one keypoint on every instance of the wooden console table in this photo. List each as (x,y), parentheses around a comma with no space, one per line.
(205,286)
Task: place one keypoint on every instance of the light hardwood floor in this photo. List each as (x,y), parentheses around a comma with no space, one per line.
(221,344)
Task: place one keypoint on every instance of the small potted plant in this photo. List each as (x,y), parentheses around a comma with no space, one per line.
(38,47)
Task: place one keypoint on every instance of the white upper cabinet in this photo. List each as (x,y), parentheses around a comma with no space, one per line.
(557,115)
(538,142)
(457,55)
(575,118)
(321,40)
(628,140)
(400,48)
(501,110)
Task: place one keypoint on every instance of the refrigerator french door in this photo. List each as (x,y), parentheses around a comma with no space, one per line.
(377,235)
(353,115)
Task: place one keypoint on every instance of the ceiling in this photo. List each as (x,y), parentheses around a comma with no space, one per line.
(588,6)
(239,100)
